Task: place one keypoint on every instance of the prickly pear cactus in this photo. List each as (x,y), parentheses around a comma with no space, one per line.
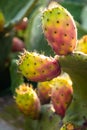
(73,99)
(75,65)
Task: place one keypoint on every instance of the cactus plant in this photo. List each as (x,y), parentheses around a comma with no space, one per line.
(58,110)
(74,63)
(70,64)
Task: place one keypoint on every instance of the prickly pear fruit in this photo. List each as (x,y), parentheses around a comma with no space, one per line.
(68,126)
(82,44)
(61,95)
(28,101)
(44,91)
(22,25)
(36,67)
(59,29)
(2,21)
(17,44)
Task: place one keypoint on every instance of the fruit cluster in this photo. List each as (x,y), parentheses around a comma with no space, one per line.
(58,92)
(53,85)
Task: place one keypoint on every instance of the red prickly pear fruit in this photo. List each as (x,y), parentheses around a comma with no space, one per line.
(17,45)
(22,25)
(59,29)
(44,91)
(82,44)
(37,67)
(28,101)
(61,96)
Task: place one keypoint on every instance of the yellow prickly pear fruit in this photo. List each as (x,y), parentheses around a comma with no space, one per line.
(28,101)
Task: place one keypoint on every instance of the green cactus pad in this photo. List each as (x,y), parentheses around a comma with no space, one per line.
(49,120)
(76,66)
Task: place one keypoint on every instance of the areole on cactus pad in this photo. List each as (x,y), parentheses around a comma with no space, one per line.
(59,29)
(37,67)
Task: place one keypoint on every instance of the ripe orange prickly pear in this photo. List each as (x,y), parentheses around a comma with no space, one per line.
(36,67)
(44,91)
(62,93)
(28,101)
(82,44)
(59,29)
